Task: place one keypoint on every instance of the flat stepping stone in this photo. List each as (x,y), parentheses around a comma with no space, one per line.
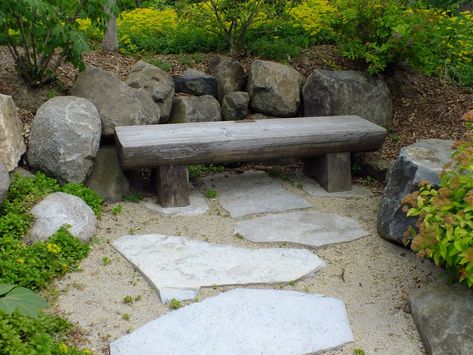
(178,267)
(253,192)
(197,206)
(244,321)
(311,187)
(303,227)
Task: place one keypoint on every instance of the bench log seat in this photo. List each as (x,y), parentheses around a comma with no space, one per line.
(325,143)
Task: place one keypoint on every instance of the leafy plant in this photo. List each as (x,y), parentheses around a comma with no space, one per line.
(445,214)
(231,19)
(199,170)
(21,300)
(175,304)
(40,34)
(46,334)
(128,299)
(106,261)
(211,193)
(89,196)
(116,210)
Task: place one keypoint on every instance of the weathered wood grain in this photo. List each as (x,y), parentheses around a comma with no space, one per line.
(213,142)
(172,185)
(332,171)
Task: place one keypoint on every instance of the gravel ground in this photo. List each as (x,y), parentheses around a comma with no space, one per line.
(373,277)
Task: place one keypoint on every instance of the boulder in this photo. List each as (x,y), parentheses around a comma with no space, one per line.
(195,82)
(235,105)
(334,93)
(107,177)
(195,109)
(156,82)
(117,103)
(58,209)
(64,138)
(4,181)
(229,74)
(422,161)
(275,89)
(12,144)
(443,314)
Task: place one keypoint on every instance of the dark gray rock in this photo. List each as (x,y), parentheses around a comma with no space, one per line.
(443,315)
(195,82)
(64,138)
(235,105)
(117,103)
(333,93)
(107,177)
(229,74)
(4,181)
(275,89)
(58,209)
(366,166)
(195,109)
(156,82)
(422,161)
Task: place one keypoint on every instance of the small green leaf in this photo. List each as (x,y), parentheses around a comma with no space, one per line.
(24,301)
(5,288)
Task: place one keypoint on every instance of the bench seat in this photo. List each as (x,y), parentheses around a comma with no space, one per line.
(325,142)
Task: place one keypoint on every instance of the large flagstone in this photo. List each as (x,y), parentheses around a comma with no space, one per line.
(253,192)
(244,321)
(302,227)
(178,267)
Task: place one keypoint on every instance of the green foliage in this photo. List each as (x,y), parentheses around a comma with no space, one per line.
(445,224)
(89,196)
(160,63)
(385,33)
(134,198)
(128,299)
(21,300)
(232,19)
(106,260)
(175,304)
(116,210)
(33,266)
(45,335)
(36,30)
(199,170)
(211,193)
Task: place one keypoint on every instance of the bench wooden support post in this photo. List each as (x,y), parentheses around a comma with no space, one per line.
(172,185)
(332,171)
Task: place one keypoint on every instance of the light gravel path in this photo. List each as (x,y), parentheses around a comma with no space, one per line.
(372,276)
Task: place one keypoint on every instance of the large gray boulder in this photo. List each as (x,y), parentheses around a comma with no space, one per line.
(443,315)
(12,144)
(107,177)
(58,209)
(235,105)
(229,74)
(334,93)
(195,109)
(4,181)
(64,138)
(195,82)
(156,82)
(275,89)
(422,161)
(117,103)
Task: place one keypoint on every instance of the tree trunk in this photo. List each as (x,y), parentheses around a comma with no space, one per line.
(110,40)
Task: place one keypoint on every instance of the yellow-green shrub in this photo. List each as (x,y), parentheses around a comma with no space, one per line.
(315,17)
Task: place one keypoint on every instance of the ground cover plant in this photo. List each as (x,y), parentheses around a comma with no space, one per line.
(445,224)
(25,267)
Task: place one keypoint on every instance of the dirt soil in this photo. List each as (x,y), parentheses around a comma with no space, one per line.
(373,277)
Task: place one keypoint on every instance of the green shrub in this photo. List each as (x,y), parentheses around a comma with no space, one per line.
(89,196)
(46,335)
(33,266)
(34,30)
(445,224)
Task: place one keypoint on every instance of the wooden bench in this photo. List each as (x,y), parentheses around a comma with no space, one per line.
(325,144)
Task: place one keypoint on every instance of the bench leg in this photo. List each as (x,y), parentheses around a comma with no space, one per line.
(332,171)
(172,185)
